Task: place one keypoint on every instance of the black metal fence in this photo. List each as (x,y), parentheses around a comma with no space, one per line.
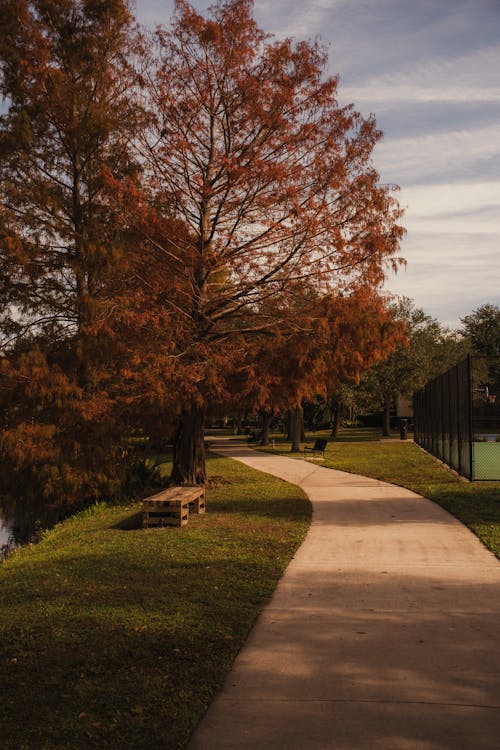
(457,418)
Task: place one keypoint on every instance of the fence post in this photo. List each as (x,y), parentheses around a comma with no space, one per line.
(459,430)
(469,410)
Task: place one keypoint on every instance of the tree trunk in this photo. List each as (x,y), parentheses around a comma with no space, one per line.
(237,425)
(387,416)
(335,417)
(266,427)
(189,449)
(296,426)
(302,430)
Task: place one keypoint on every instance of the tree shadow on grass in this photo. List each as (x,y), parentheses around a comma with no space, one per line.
(285,510)
(131,523)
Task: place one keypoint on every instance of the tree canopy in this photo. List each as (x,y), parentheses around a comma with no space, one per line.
(429,350)
(183,218)
(482,329)
(249,147)
(67,81)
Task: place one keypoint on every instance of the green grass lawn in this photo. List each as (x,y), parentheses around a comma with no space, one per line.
(112,636)
(116,637)
(360,451)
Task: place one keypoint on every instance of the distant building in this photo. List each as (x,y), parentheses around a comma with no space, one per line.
(404,407)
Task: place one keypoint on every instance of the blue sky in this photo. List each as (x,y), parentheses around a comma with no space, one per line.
(430,72)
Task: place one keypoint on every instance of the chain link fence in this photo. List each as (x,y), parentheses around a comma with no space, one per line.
(457,418)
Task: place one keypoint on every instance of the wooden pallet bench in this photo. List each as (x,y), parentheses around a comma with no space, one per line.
(172,506)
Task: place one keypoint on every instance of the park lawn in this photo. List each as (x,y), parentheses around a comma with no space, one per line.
(112,636)
(359,451)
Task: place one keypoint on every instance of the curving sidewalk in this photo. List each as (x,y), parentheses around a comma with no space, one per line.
(383,633)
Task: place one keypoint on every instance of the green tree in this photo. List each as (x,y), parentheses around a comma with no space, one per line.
(429,350)
(482,329)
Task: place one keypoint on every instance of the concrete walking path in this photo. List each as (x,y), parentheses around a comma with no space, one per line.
(383,633)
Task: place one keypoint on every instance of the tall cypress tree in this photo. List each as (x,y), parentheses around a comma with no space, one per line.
(68,83)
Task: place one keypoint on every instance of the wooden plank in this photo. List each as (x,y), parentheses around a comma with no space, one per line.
(159,505)
(197,505)
(165,519)
(178,493)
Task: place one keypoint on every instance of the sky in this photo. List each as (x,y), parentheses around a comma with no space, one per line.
(429,70)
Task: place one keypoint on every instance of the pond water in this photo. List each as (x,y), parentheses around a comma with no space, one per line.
(22,522)
(5,532)
(6,538)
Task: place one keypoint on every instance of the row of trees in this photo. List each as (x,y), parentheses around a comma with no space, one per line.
(187,220)
(428,349)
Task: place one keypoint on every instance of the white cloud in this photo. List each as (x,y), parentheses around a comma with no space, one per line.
(469,78)
(407,160)
(451,248)
(382,95)
(448,274)
(301,20)
(463,207)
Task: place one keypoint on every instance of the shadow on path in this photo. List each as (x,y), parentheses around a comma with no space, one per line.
(381,635)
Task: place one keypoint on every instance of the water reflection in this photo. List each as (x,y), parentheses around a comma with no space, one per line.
(7,541)
(22,522)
